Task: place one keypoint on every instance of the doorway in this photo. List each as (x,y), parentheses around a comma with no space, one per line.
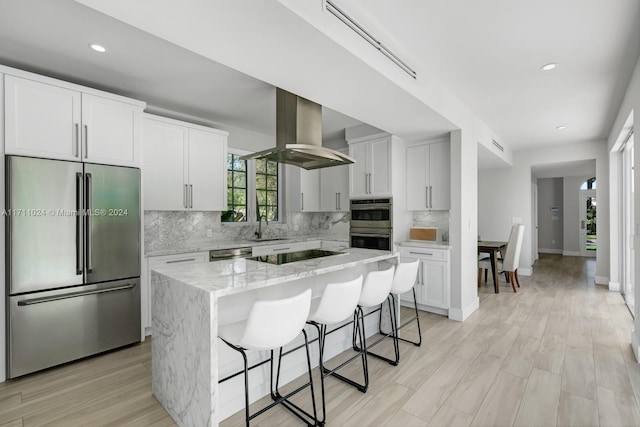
(588,223)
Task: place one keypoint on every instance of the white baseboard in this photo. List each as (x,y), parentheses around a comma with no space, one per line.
(461,315)
(635,345)
(571,253)
(550,251)
(613,286)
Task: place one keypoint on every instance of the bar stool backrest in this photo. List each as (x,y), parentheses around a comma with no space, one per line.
(274,323)
(405,277)
(376,288)
(338,302)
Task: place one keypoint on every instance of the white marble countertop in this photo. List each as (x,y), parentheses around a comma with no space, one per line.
(227,244)
(239,275)
(424,244)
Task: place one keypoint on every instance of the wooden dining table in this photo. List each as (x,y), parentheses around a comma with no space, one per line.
(492,248)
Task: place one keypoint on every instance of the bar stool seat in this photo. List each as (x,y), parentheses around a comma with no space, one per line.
(271,325)
(337,304)
(375,291)
(404,280)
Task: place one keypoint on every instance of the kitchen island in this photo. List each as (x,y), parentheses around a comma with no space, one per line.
(190,301)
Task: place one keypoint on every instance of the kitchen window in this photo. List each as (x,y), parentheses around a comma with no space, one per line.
(251,184)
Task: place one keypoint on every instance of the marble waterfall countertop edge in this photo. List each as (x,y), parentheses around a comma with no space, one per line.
(227,244)
(424,244)
(239,275)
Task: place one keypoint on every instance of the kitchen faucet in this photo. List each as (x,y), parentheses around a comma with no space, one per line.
(259,232)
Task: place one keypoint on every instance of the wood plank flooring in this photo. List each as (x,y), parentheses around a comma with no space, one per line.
(556,353)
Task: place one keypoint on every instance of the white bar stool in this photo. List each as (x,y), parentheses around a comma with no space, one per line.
(403,281)
(271,325)
(337,304)
(375,291)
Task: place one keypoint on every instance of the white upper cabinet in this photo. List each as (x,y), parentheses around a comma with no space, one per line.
(60,121)
(371,174)
(304,189)
(41,120)
(429,177)
(184,166)
(164,167)
(207,162)
(334,189)
(111,131)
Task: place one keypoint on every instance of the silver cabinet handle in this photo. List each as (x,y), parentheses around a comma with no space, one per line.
(370,188)
(76,142)
(421,253)
(280,249)
(79,216)
(339,197)
(73,295)
(301,201)
(426,196)
(180,260)
(87,233)
(337,201)
(191,196)
(86,141)
(184,196)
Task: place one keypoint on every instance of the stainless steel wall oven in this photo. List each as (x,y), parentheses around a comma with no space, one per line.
(371,224)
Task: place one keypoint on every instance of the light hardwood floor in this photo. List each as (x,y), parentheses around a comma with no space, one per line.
(555,353)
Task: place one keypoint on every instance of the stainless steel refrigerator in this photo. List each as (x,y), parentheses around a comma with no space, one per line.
(72,261)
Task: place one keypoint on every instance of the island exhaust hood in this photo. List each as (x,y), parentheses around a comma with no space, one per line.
(299,135)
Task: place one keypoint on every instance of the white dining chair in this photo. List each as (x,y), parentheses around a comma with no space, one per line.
(510,262)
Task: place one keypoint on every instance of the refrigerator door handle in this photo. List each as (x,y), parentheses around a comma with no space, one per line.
(89,206)
(33,301)
(79,217)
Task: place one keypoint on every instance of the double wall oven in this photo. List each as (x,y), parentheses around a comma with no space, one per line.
(371,224)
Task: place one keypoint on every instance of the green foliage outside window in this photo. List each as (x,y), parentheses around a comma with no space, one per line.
(267,189)
(236,190)
(266,198)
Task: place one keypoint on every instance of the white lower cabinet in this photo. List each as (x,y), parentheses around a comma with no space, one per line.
(158,261)
(432,284)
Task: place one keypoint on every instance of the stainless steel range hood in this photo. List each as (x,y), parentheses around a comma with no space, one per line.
(299,135)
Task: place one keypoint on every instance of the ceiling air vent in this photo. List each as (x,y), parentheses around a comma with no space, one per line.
(359,30)
(500,147)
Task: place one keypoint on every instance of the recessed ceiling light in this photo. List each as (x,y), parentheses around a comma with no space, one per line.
(561,127)
(97,47)
(548,67)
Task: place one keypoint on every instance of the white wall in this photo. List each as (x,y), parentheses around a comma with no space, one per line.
(630,105)
(497,208)
(550,222)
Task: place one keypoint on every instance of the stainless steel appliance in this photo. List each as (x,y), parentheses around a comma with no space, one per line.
(371,225)
(72,261)
(288,257)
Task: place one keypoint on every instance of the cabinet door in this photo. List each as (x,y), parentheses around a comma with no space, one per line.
(207,171)
(41,120)
(435,276)
(358,171)
(380,167)
(334,189)
(417,171)
(163,171)
(309,190)
(440,176)
(110,131)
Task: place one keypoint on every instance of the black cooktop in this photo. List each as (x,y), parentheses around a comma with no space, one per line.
(294,256)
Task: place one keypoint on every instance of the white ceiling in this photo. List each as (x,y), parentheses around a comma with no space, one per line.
(487,52)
